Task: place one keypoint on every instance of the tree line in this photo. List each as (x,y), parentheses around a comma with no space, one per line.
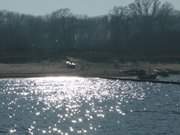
(144,27)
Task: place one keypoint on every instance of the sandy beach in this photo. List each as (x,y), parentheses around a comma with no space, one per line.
(83,68)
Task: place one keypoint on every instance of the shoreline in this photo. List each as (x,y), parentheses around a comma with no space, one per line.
(122,78)
(111,70)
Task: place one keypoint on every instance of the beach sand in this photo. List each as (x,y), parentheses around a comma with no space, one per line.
(83,68)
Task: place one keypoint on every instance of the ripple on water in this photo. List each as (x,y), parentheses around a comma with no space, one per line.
(72,105)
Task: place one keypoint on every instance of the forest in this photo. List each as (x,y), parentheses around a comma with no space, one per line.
(144,28)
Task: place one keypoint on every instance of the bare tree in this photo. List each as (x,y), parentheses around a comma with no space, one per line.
(145,7)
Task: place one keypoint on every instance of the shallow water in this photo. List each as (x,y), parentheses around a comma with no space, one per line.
(173,78)
(88,106)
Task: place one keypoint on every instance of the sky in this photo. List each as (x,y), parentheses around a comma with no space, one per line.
(88,7)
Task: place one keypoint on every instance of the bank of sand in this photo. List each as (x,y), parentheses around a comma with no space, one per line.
(83,68)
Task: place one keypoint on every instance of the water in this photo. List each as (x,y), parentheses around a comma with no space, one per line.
(174,78)
(88,106)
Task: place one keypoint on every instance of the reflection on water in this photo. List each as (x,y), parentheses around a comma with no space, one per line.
(88,106)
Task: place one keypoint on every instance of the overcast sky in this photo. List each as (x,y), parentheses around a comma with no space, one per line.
(89,7)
